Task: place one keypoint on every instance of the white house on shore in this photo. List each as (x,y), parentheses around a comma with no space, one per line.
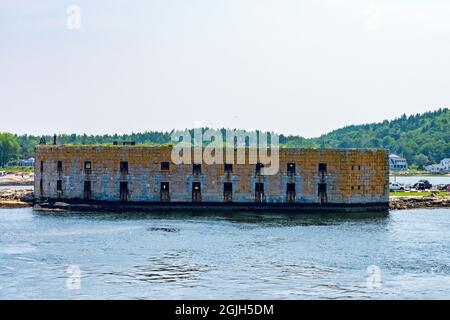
(441,167)
(397,163)
(26,162)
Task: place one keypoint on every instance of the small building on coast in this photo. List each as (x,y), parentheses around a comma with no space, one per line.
(442,167)
(397,163)
(27,162)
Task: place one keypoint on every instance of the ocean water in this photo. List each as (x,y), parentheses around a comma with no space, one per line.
(400,255)
(413,179)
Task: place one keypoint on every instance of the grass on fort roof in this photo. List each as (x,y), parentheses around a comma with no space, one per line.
(110,145)
(171,144)
(150,144)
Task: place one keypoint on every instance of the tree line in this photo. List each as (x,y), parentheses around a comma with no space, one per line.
(421,138)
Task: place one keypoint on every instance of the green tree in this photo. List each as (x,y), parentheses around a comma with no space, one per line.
(421,160)
(9,148)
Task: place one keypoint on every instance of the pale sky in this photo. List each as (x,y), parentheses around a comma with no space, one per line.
(300,67)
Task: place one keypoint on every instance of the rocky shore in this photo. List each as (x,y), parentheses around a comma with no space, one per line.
(17,179)
(12,198)
(411,202)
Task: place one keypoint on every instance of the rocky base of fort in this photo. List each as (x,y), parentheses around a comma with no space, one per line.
(411,202)
(12,198)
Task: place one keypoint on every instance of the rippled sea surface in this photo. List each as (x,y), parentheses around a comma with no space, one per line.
(401,255)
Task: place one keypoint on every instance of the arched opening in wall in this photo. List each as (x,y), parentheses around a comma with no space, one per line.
(196,192)
(59,190)
(124,167)
(322,168)
(196,169)
(228,170)
(87,193)
(87,166)
(123,191)
(259,192)
(165,166)
(164,192)
(290,192)
(291,169)
(322,192)
(59,167)
(41,188)
(258,168)
(227,192)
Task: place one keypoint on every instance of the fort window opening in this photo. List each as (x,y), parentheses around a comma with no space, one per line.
(258,168)
(196,192)
(291,169)
(123,191)
(164,192)
(227,192)
(228,168)
(322,192)
(165,186)
(259,192)
(197,168)
(59,166)
(42,166)
(290,192)
(322,167)
(124,167)
(41,187)
(87,165)
(59,186)
(87,190)
(165,166)
(322,187)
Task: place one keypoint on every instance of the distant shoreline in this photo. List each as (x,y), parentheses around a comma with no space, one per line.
(17,179)
(418,174)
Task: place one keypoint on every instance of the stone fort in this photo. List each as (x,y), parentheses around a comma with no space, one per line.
(145,175)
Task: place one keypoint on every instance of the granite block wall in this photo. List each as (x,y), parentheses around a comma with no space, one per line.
(351,175)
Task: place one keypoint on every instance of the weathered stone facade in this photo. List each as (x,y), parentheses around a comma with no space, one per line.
(146,174)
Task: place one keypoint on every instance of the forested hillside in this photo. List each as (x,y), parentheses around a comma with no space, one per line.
(421,138)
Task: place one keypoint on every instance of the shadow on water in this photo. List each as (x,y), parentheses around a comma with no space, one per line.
(266,219)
